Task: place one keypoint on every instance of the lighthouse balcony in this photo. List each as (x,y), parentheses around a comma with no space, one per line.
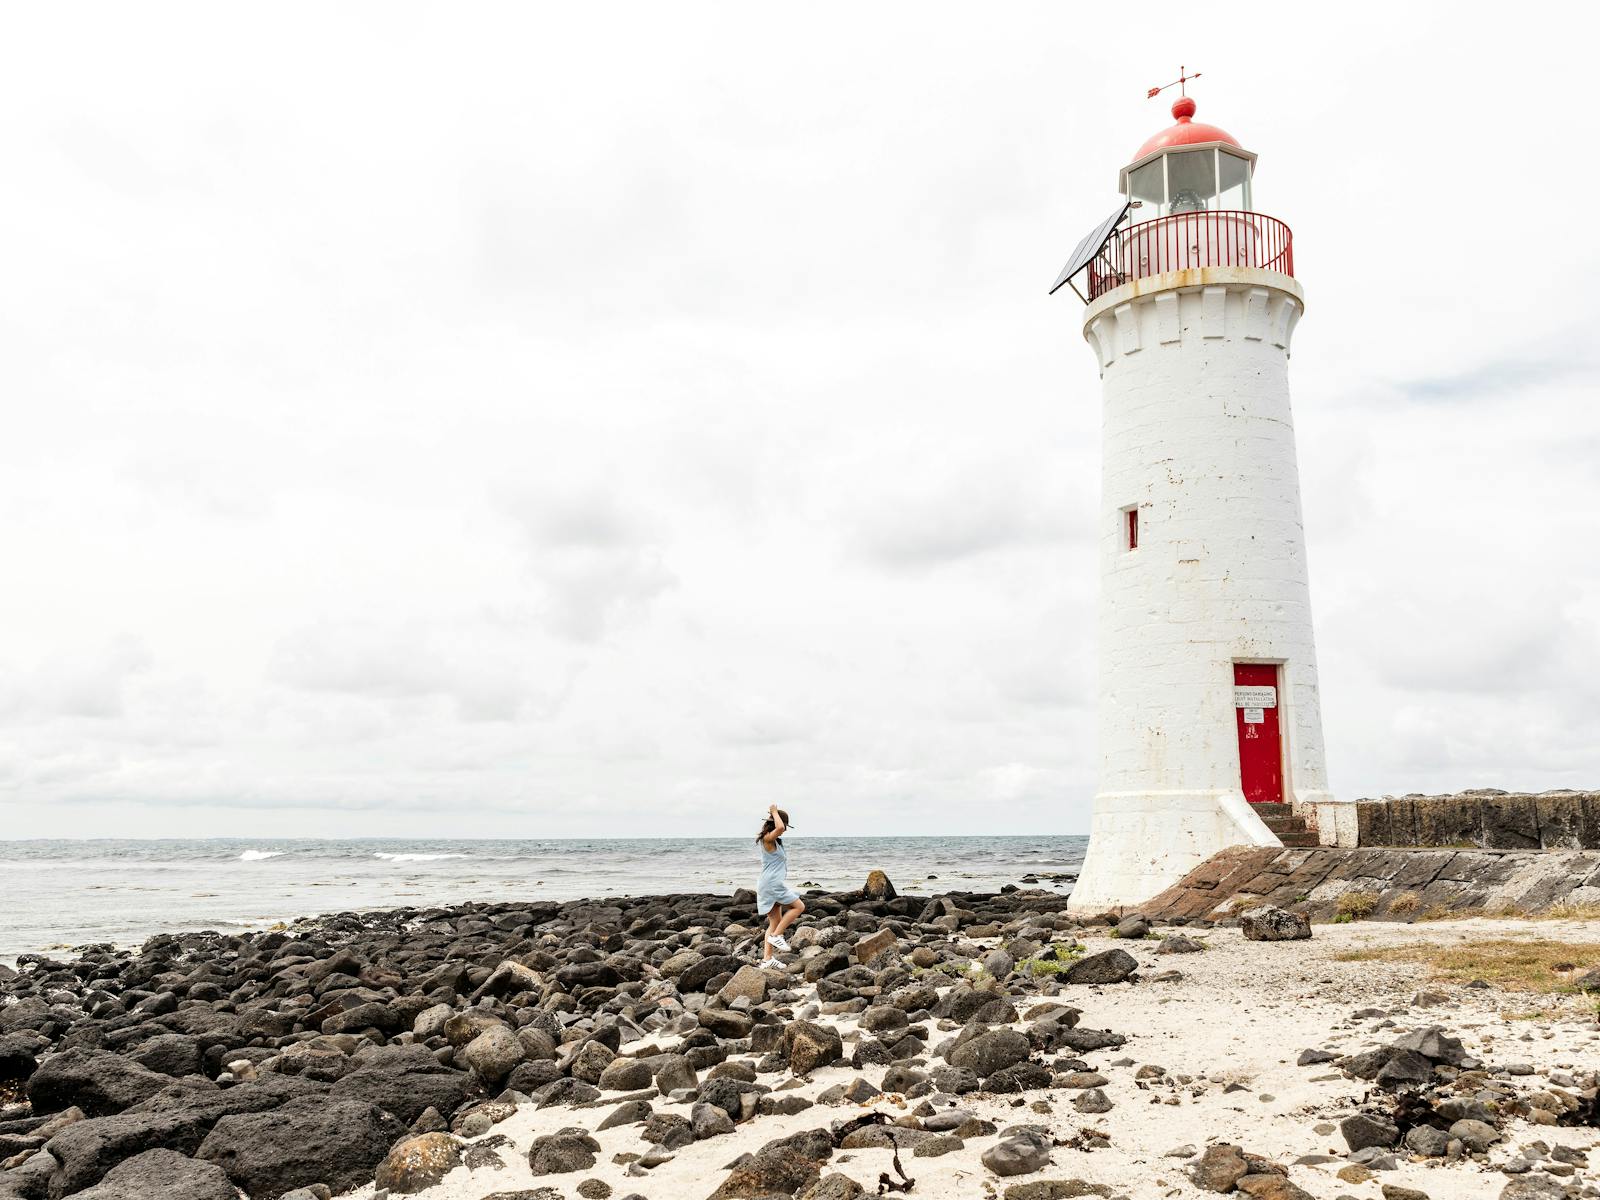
(1186,240)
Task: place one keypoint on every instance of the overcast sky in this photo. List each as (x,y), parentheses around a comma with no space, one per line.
(581,419)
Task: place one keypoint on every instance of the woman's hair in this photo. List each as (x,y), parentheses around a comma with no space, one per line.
(767,827)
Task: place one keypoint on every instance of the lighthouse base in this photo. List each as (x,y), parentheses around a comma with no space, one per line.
(1141,843)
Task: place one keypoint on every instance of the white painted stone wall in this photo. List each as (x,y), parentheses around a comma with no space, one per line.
(1198,433)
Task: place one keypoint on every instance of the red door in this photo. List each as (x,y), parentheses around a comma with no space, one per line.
(1260,748)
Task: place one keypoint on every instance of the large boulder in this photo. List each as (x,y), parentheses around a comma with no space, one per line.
(1109,966)
(878,887)
(874,944)
(1219,1168)
(371,1015)
(97,1081)
(703,970)
(19,1055)
(460,1029)
(626,1075)
(87,1150)
(405,1080)
(176,1054)
(673,1072)
(163,1174)
(780,1168)
(562,1152)
(749,982)
(493,1053)
(1271,924)
(336,1142)
(418,1163)
(990,1052)
(808,1045)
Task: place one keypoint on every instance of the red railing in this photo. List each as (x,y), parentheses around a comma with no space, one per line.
(1231,238)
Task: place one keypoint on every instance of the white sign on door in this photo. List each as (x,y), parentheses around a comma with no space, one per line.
(1255,697)
(1254,716)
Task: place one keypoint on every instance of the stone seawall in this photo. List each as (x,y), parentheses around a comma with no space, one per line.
(1485,818)
(1390,884)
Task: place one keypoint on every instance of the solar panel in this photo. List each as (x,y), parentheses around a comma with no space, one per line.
(1089,247)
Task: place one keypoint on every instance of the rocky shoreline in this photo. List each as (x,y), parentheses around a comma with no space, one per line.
(631,1047)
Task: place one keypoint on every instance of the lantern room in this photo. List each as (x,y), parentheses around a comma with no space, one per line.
(1191,167)
(1189,207)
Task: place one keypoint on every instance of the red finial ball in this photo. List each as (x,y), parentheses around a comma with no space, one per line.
(1183,108)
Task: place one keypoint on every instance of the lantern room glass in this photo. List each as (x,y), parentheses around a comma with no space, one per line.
(1147,187)
(1191,181)
(1233,181)
(1183,181)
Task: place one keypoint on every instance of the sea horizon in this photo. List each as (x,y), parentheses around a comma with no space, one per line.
(62,893)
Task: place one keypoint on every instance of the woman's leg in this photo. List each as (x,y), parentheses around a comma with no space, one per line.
(791,914)
(772,925)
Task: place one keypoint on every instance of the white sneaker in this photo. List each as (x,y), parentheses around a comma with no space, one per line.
(767,963)
(775,940)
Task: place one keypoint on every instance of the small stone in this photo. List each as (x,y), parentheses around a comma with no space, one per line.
(1092,1101)
(1272,924)
(1020,1155)
(1477,1136)
(1427,1141)
(1109,966)
(1055,1189)
(1271,1187)
(1219,1168)
(1361,1131)
(1133,926)
(834,1187)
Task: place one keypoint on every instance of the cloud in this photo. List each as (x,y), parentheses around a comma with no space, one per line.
(462,663)
(953,520)
(1509,376)
(596,560)
(74,683)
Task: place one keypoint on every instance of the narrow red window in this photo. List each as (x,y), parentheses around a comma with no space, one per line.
(1133,529)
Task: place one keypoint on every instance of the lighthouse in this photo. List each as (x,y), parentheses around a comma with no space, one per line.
(1210,726)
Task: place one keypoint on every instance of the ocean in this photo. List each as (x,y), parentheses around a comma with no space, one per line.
(56,894)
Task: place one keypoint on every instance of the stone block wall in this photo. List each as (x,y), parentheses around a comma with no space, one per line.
(1400,885)
(1484,818)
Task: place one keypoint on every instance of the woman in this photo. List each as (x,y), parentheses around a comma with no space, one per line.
(779,903)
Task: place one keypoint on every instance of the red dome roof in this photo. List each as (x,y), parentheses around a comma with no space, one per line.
(1186,132)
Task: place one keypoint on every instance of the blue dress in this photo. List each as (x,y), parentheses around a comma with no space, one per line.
(773,886)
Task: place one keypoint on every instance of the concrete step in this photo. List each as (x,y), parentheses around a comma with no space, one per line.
(1299,840)
(1273,810)
(1290,823)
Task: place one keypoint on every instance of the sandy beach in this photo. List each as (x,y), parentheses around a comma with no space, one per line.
(1226,1036)
(965,1024)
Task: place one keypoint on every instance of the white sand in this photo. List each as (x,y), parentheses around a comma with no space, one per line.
(1241,1013)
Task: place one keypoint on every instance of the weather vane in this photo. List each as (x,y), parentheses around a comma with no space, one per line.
(1178,83)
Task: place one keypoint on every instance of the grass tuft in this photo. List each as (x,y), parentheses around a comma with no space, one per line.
(1352,906)
(1405,904)
(1535,965)
(1052,961)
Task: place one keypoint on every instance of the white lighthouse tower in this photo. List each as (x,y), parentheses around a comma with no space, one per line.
(1210,724)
